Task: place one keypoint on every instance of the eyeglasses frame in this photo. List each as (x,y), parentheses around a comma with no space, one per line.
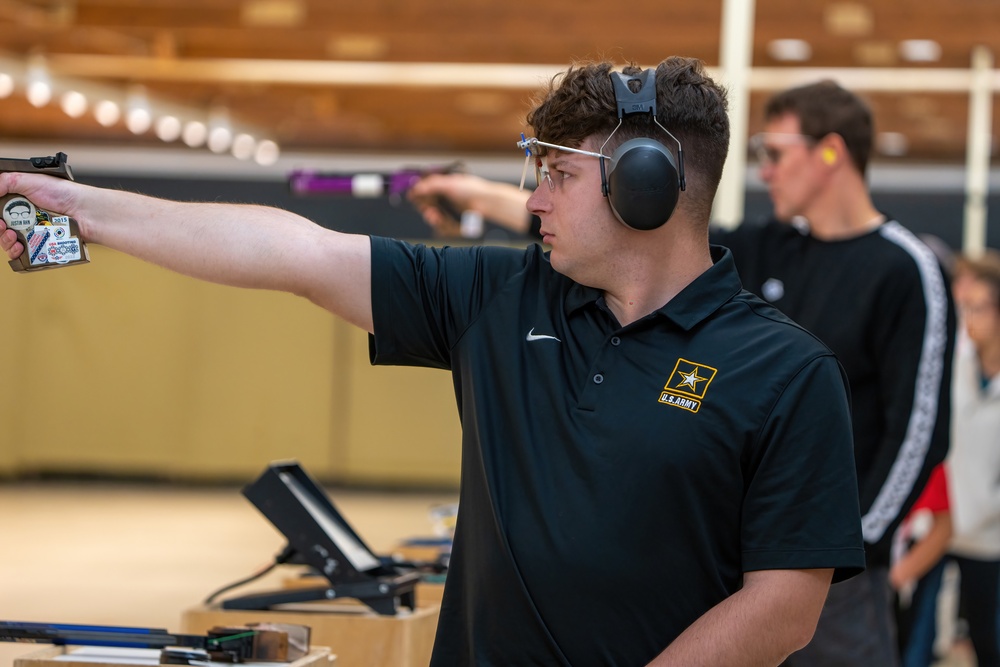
(541,169)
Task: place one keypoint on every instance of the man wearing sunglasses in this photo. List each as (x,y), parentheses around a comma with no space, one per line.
(874,293)
(657,465)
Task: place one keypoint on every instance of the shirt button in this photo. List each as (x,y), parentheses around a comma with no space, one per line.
(616,341)
(598,379)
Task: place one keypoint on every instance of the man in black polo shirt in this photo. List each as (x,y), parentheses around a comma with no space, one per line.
(657,466)
(860,281)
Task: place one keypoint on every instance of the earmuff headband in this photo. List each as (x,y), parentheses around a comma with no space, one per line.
(644,180)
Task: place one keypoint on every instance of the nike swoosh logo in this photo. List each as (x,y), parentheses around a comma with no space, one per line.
(532,336)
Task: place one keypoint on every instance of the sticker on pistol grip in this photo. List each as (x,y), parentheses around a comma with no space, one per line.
(37,239)
(62,252)
(20,215)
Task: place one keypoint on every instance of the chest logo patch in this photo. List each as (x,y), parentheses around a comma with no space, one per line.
(687,385)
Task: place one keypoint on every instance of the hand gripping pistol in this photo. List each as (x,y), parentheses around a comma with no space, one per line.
(50,239)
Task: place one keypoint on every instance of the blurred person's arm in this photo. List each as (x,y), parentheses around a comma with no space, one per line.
(924,554)
(910,345)
(498,202)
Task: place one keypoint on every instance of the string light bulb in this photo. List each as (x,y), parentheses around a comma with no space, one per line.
(244,146)
(220,137)
(39,85)
(73,103)
(194,134)
(107,112)
(168,128)
(6,85)
(138,118)
(266,153)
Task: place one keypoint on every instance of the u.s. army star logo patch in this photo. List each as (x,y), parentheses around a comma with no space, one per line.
(687,385)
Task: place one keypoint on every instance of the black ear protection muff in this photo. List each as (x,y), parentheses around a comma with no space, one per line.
(644,180)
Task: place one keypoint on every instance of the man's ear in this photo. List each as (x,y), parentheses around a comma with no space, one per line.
(832,149)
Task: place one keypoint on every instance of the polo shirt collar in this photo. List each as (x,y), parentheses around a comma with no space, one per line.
(706,294)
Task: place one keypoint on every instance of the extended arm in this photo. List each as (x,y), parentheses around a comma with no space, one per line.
(772,616)
(238,245)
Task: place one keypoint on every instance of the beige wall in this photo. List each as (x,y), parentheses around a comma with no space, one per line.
(120,367)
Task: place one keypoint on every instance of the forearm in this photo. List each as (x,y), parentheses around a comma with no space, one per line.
(243,246)
(505,204)
(925,554)
(771,617)
(502,203)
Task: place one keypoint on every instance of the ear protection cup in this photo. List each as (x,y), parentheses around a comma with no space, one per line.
(644,180)
(643,184)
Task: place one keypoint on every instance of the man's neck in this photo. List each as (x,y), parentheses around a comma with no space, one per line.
(657,273)
(843,211)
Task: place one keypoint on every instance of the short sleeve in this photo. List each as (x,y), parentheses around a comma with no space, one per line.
(424,298)
(801,508)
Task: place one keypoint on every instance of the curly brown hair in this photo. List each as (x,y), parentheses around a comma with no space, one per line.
(580,103)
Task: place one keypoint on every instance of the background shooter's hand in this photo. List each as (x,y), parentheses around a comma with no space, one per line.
(500,203)
(437,209)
